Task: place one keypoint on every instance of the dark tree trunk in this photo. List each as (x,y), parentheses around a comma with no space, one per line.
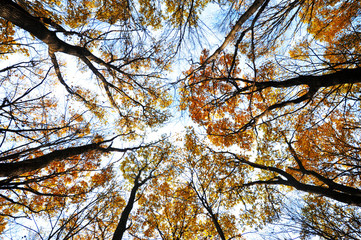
(21,167)
(122,224)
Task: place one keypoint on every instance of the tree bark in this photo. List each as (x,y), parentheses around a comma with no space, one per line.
(15,14)
(20,17)
(21,167)
(216,223)
(122,224)
(345,76)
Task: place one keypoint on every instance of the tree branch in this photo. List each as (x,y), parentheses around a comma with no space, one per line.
(236,28)
(349,196)
(17,168)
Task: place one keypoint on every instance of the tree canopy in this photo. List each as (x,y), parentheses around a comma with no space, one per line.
(180,119)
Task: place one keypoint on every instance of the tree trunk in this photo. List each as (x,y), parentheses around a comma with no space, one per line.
(21,167)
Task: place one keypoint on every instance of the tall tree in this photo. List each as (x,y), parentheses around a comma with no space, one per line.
(57,129)
(285,108)
(82,87)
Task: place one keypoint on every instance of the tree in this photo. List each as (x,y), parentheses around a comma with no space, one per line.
(105,213)
(83,91)
(53,144)
(141,168)
(287,117)
(94,220)
(328,220)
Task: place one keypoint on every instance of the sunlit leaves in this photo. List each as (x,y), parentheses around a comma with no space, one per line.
(120,93)
(177,13)
(329,220)
(278,106)
(212,102)
(300,132)
(336,25)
